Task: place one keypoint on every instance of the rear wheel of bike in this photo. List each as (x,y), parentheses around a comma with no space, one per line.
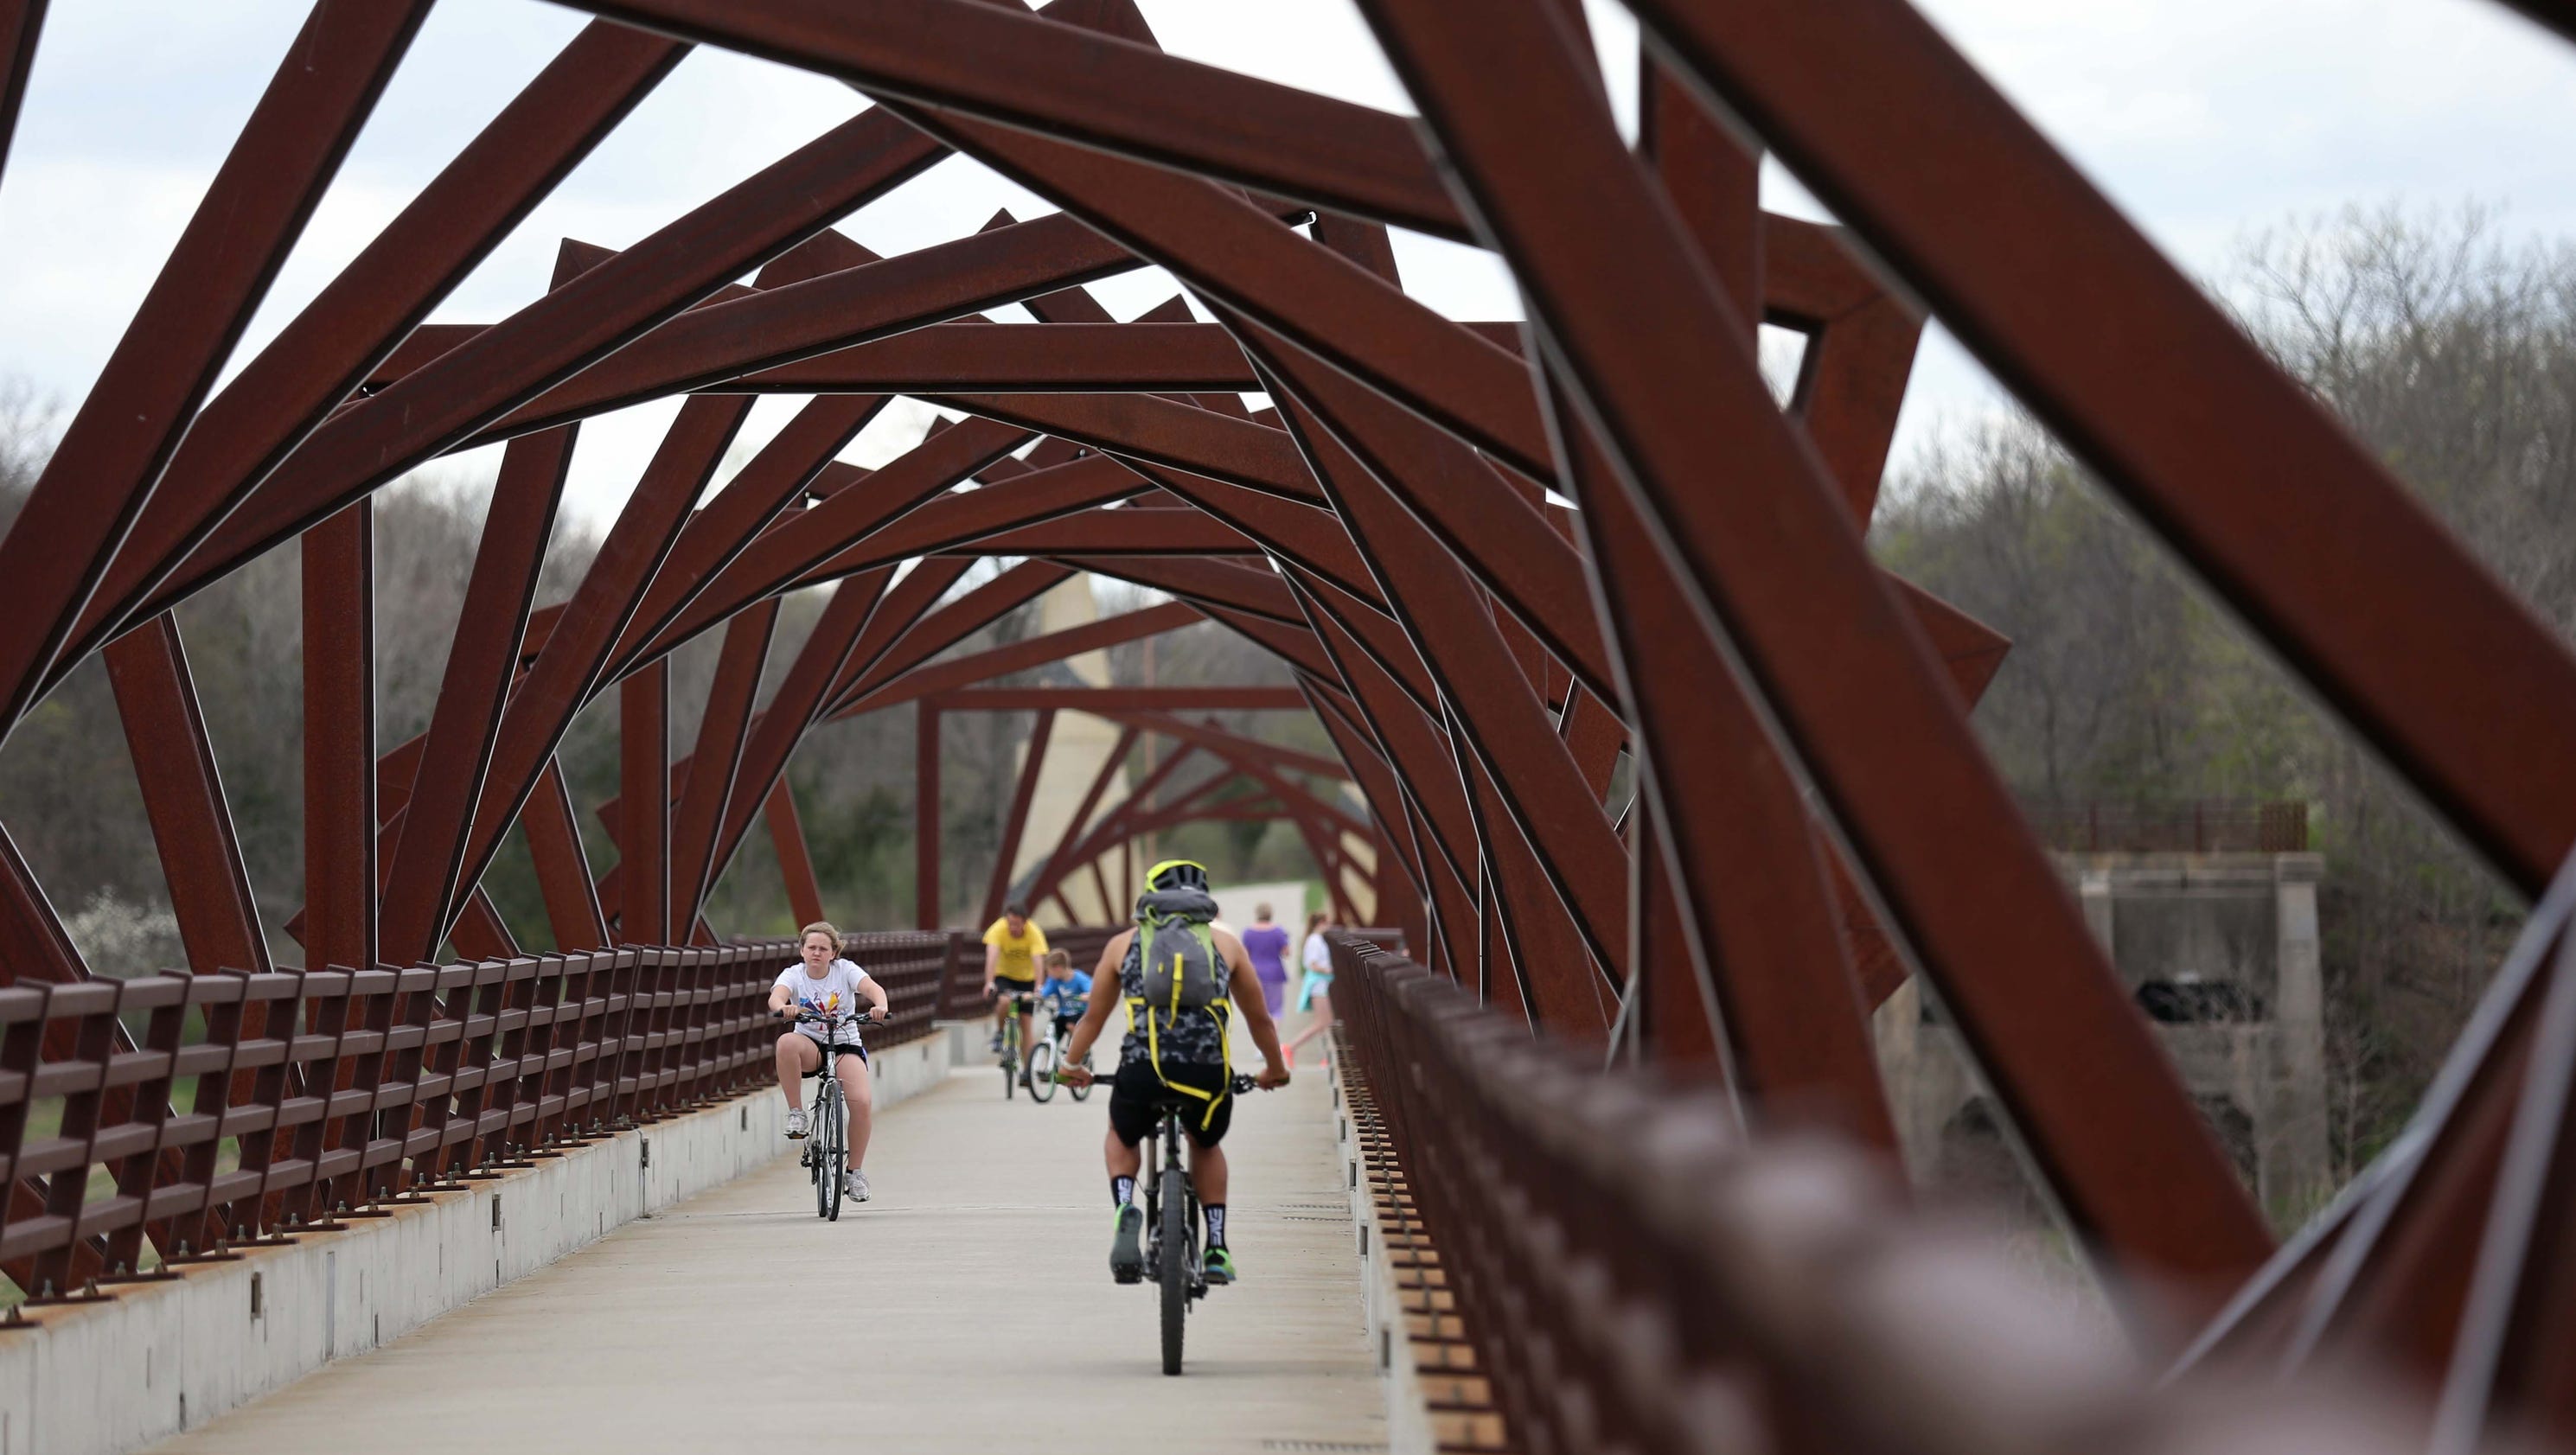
(1175,1270)
(831,1155)
(1083,1092)
(1042,1071)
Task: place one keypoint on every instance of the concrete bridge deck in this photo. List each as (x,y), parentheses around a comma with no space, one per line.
(967,1307)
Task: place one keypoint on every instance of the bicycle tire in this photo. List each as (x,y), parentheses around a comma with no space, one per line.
(1010,1057)
(835,1155)
(1083,1093)
(1174,1272)
(1042,1071)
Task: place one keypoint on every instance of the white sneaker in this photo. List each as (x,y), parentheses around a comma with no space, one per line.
(796,1121)
(854,1185)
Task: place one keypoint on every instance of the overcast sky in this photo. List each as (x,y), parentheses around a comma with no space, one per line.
(2205,119)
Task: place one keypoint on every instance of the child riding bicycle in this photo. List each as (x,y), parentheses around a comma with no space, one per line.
(824,995)
(1064,990)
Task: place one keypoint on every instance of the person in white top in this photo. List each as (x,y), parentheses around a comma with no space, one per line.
(1315,994)
(828,985)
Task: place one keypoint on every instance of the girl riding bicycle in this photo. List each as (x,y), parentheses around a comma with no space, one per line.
(825,985)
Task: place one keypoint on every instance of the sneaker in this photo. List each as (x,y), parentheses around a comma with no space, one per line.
(996,1045)
(854,1185)
(1127,1249)
(796,1121)
(1220,1267)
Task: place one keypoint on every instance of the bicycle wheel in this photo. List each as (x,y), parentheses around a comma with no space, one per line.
(1083,1093)
(1175,1270)
(1010,1057)
(1042,1071)
(833,1154)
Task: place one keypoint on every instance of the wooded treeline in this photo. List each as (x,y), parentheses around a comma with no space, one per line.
(2450,350)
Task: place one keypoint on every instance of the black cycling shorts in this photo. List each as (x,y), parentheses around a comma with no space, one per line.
(846,1048)
(1136,1096)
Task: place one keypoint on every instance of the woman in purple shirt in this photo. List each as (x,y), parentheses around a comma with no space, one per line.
(1267,944)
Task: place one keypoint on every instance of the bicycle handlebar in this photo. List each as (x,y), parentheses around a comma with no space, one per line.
(807,1017)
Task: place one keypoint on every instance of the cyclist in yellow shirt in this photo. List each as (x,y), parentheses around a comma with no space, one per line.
(1013,948)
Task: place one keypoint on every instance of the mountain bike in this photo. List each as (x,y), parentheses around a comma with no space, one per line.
(1173,1224)
(1048,1055)
(827,1134)
(1018,1002)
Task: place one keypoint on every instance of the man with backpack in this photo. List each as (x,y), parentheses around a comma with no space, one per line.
(1184,981)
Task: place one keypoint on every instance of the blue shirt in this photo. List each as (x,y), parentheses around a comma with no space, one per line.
(1071,991)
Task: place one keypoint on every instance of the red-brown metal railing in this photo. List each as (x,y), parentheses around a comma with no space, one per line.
(1604,1262)
(215,1126)
(2213,826)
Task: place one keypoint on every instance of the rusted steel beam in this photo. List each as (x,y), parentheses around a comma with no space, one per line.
(723,729)
(1236,253)
(563,867)
(925,814)
(22,23)
(644,907)
(1773,550)
(794,707)
(726,340)
(1861,340)
(792,546)
(926,637)
(1116,699)
(1413,743)
(963,516)
(1162,431)
(1022,655)
(1249,590)
(1258,756)
(749,504)
(1054,864)
(1127,532)
(2226,457)
(482,661)
(795,861)
(1093,358)
(1505,725)
(1745,884)
(2507,1365)
(183,794)
(340,741)
(1015,822)
(1110,830)
(557,336)
(437,239)
(1025,71)
(903,606)
(113,452)
(1308,536)
(569,670)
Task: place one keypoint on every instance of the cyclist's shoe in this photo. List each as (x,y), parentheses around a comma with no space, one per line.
(1220,1267)
(996,1046)
(854,1185)
(1127,1248)
(796,1122)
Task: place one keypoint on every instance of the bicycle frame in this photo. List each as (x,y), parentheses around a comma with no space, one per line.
(1174,1164)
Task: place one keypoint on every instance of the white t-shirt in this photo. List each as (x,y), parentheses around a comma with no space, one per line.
(1319,956)
(835,992)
